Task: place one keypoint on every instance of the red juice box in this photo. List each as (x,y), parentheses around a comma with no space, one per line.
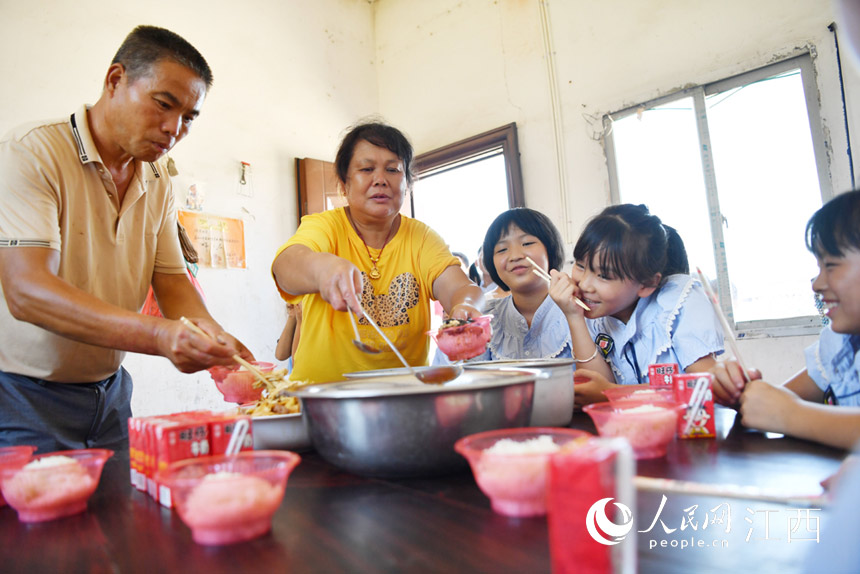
(692,389)
(660,375)
(183,438)
(148,432)
(136,453)
(132,453)
(221,431)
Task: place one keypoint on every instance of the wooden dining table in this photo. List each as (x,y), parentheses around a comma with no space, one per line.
(334,521)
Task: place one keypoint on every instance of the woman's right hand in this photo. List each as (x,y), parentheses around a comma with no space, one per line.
(339,282)
(300,270)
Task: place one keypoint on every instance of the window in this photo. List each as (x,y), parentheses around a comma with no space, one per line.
(737,167)
(462,187)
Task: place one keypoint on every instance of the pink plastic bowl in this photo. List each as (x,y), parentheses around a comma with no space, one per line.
(14,457)
(640,393)
(649,433)
(514,483)
(229,499)
(46,493)
(465,341)
(237,384)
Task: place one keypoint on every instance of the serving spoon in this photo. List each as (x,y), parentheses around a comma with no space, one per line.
(432,375)
(362,346)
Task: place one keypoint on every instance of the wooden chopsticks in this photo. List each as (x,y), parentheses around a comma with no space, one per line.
(256,372)
(729,332)
(538,270)
(669,485)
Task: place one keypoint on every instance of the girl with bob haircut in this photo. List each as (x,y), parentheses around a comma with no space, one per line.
(527,324)
(631,271)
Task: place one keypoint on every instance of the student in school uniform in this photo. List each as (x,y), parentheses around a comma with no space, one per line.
(631,270)
(822,402)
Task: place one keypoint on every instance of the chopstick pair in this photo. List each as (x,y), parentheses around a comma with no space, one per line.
(538,270)
(729,332)
(254,370)
(664,485)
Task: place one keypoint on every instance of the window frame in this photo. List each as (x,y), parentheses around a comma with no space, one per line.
(806,325)
(476,148)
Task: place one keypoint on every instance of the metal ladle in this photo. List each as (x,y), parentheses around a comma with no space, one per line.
(432,375)
(362,346)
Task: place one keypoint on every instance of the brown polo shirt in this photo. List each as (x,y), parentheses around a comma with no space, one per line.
(56,193)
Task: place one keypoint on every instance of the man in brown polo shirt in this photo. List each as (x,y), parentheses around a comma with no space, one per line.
(87,223)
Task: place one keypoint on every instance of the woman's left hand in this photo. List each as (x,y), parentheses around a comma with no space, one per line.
(460,298)
(465,311)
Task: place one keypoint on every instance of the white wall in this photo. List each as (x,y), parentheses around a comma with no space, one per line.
(289,77)
(450,69)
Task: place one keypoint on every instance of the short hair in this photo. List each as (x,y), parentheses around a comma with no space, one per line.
(532,222)
(475,275)
(380,135)
(147,45)
(835,228)
(631,243)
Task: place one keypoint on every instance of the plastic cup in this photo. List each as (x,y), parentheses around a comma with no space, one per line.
(49,492)
(229,499)
(641,393)
(515,482)
(237,384)
(15,457)
(465,341)
(648,426)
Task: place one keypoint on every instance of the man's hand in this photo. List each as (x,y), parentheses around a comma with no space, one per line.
(190,351)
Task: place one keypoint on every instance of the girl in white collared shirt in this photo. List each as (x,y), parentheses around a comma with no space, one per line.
(645,308)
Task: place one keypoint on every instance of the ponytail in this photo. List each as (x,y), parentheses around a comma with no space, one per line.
(676,254)
(628,242)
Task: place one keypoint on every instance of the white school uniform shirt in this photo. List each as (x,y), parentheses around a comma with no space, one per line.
(548,337)
(833,362)
(676,324)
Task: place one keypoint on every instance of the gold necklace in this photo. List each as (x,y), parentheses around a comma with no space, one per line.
(374,271)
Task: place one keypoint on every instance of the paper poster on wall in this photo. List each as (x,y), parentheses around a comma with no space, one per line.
(220,241)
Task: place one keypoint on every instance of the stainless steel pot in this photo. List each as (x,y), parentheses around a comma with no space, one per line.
(395,426)
(553,399)
(283,432)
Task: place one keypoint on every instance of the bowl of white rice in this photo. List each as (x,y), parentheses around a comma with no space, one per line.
(510,465)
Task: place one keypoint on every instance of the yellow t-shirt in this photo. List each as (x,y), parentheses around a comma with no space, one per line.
(399,301)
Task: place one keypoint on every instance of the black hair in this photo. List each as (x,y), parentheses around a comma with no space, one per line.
(835,228)
(532,222)
(380,135)
(474,274)
(146,45)
(630,243)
